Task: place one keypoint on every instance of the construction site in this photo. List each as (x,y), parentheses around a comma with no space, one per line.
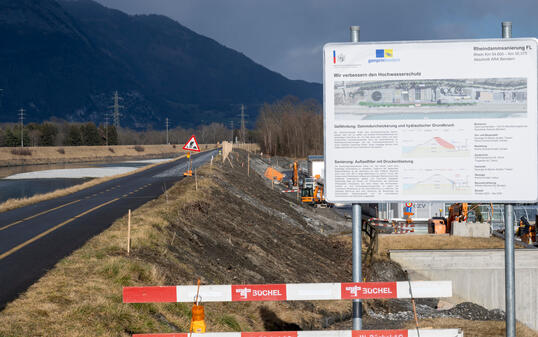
(232,224)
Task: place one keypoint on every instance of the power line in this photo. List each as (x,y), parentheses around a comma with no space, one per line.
(116,107)
(21,120)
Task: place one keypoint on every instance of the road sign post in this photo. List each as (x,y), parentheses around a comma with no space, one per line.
(509,260)
(191,145)
(356,231)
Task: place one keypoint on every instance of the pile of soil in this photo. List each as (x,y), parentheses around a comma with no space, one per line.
(244,232)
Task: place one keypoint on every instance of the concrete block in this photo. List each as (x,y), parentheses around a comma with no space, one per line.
(478,276)
(471,229)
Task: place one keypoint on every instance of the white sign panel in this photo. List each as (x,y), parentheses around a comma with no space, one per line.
(431,121)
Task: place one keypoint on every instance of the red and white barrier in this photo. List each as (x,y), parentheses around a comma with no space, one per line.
(288,292)
(327,333)
(403,231)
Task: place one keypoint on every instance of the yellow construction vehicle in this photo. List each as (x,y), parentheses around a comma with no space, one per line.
(312,191)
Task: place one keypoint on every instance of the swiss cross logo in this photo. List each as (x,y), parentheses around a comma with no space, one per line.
(259,292)
(368,290)
(354,290)
(379,333)
(243,292)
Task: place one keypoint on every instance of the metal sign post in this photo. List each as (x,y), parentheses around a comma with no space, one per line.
(357,231)
(509,264)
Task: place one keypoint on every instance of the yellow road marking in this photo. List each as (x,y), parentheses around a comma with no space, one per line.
(38,214)
(52,229)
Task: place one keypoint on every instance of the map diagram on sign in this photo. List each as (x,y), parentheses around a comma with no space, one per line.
(449,182)
(436,147)
(470,98)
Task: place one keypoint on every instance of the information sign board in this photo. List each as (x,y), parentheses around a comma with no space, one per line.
(431,121)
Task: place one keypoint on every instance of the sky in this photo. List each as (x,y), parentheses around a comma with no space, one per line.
(287,36)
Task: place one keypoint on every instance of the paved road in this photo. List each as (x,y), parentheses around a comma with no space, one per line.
(35,237)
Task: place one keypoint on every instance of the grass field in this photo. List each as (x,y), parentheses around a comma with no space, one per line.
(10,156)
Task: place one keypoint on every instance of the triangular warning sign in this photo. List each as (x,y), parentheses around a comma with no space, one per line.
(192,145)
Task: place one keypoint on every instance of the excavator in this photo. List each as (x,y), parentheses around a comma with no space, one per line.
(312,191)
(456,212)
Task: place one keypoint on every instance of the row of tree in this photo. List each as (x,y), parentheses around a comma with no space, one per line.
(57,134)
(290,127)
(75,134)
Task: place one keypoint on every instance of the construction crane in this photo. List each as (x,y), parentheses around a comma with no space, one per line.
(295,176)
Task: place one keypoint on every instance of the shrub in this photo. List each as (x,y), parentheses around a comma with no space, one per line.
(21,152)
(61,150)
(139,148)
(111,149)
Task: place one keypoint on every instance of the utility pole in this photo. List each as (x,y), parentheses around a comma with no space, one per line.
(232,128)
(356,231)
(509,259)
(106,127)
(243,131)
(167,124)
(21,120)
(117,107)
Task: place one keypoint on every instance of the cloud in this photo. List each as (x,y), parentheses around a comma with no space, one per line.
(287,35)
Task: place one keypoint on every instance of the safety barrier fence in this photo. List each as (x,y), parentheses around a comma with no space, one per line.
(288,292)
(325,333)
(296,292)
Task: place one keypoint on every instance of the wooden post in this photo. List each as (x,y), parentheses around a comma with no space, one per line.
(248,164)
(129,232)
(273,183)
(195,179)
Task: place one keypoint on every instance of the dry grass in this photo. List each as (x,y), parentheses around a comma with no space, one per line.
(74,154)
(388,242)
(81,296)
(473,328)
(16,203)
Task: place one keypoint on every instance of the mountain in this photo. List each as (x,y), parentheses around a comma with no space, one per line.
(66,58)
